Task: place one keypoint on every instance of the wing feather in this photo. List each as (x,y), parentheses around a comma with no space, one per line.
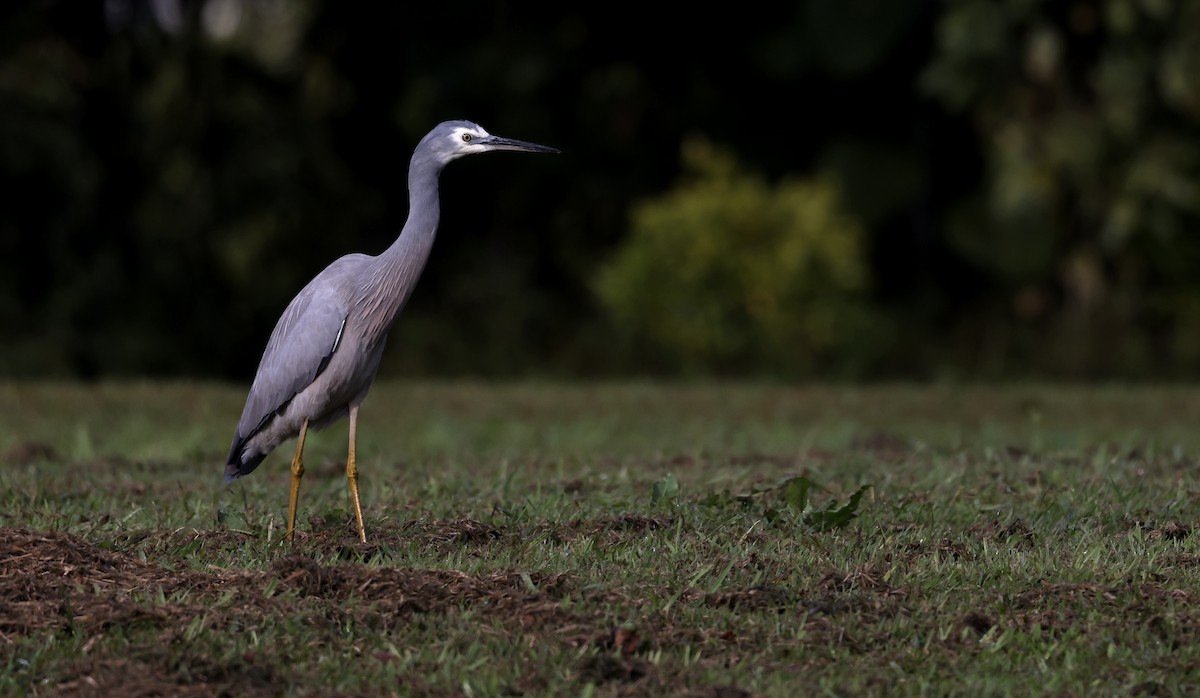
(304,340)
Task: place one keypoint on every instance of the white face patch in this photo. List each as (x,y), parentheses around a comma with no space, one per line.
(461,133)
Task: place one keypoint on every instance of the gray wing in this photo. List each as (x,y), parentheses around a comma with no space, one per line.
(300,347)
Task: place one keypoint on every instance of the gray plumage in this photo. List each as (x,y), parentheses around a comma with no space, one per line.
(325,350)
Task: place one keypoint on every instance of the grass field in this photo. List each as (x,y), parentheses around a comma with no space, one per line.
(605,540)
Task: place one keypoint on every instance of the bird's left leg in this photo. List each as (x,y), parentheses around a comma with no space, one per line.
(297,473)
(352,473)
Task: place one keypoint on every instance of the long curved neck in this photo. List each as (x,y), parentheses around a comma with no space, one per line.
(394,272)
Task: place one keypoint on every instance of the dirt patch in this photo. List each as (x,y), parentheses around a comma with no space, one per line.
(944,548)
(422,591)
(1013,532)
(59,583)
(339,534)
(756,599)
(862,579)
(634,522)
(462,531)
(1170,531)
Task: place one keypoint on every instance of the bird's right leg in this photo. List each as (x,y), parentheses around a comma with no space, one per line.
(297,473)
(352,474)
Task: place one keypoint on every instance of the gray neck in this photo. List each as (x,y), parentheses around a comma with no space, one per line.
(394,273)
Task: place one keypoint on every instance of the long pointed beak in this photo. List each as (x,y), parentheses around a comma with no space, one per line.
(502,143)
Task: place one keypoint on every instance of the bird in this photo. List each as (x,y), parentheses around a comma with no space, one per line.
(324,352)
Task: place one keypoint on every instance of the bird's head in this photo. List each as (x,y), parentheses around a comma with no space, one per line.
(450,140)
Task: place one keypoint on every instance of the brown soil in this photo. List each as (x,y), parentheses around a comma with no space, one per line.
(60,584)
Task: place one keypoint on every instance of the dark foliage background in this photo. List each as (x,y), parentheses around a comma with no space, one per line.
(1025,178)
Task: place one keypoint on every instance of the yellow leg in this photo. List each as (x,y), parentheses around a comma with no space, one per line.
(352,474)
(297,473)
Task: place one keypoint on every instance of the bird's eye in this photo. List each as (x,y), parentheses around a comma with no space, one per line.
(466,138)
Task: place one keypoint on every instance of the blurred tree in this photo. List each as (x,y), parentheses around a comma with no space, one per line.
(1023,176)
(1088,116)
(164,176)
(729,274)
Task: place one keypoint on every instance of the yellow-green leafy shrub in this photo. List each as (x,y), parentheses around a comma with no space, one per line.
(726,271)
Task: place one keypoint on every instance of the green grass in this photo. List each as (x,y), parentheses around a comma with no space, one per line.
(632,539)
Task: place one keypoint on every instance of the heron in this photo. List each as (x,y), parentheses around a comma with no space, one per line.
(324,352)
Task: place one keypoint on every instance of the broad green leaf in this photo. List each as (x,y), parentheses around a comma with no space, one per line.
(831,518)
(666,488)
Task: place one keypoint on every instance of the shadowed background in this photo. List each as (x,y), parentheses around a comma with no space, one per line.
(819,189)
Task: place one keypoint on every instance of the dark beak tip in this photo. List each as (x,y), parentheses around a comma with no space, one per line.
(538,148)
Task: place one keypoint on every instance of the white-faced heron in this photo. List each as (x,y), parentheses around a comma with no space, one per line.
(323,355)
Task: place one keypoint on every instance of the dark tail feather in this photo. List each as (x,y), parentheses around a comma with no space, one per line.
(238,464)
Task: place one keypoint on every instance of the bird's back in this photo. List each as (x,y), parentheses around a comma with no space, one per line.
(314,340)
